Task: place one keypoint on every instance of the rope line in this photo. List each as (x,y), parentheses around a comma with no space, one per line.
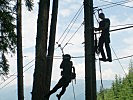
(16,77)
(123,57)
(119,29)
(8,83)
(122,25)
(117,4)
(71,26)
(122,66)
(119,61)
(73,91)
(100,69)
(73,34)
(120,2)
(69,23)
(60,57)
(16,72)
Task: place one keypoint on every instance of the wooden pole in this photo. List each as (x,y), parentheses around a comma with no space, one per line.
(90,75)
(19,52)
(51,44)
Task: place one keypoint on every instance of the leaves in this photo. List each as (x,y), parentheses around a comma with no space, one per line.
(122,89)
(29,4)
(4,66)
(8,38)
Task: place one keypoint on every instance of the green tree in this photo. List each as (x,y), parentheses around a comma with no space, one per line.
(122,89)
(7,34)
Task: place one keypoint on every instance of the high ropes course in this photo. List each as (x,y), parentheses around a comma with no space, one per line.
(65,34)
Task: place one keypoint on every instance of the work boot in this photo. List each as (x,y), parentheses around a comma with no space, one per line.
(58,96)
(103,59)
(109,59)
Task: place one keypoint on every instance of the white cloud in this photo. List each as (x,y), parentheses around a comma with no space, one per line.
(129,41)
(65,12)
(108,74)
(29,27)
(130,3)
(68,1)
(28,79)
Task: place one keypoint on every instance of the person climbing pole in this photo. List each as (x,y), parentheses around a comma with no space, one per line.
(67,76)
(104,27)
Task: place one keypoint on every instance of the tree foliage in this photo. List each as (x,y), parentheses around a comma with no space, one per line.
(122,89)
(7,34)
(29,4)
(8,38)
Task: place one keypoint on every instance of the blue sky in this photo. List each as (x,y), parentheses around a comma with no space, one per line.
(121,41)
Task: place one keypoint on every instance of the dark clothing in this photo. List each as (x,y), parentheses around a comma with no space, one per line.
(62,83)
(67,69)
(66,73)
(100,46)
(104,27)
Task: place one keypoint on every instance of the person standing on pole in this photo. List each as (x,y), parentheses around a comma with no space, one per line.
(104,27)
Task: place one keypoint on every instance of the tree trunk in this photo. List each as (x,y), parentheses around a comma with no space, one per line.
(19,52)
(38,91)
(51,44)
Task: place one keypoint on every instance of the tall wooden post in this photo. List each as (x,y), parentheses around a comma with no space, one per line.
(39,86)
(19,52)
(51,43)
(90,75)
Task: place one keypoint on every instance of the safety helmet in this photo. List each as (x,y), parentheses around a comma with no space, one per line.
(101,15)
(66,56)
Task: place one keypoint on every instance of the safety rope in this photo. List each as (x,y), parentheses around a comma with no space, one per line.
(70,23)
(73,34)
(73,91)
(118,4)
(121,66)
(118,60)
(100,69)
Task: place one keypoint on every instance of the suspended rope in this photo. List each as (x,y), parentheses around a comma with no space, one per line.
(16,72)
(70,23)
(109,4)
(102,88)
(118,60)
(121,28)
(73,91)
(122,25)
(16,77)
(123,57)
(122,66)
(117,4)
(73,34)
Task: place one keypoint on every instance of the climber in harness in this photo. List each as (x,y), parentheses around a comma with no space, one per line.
(67,75)
(104,27)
